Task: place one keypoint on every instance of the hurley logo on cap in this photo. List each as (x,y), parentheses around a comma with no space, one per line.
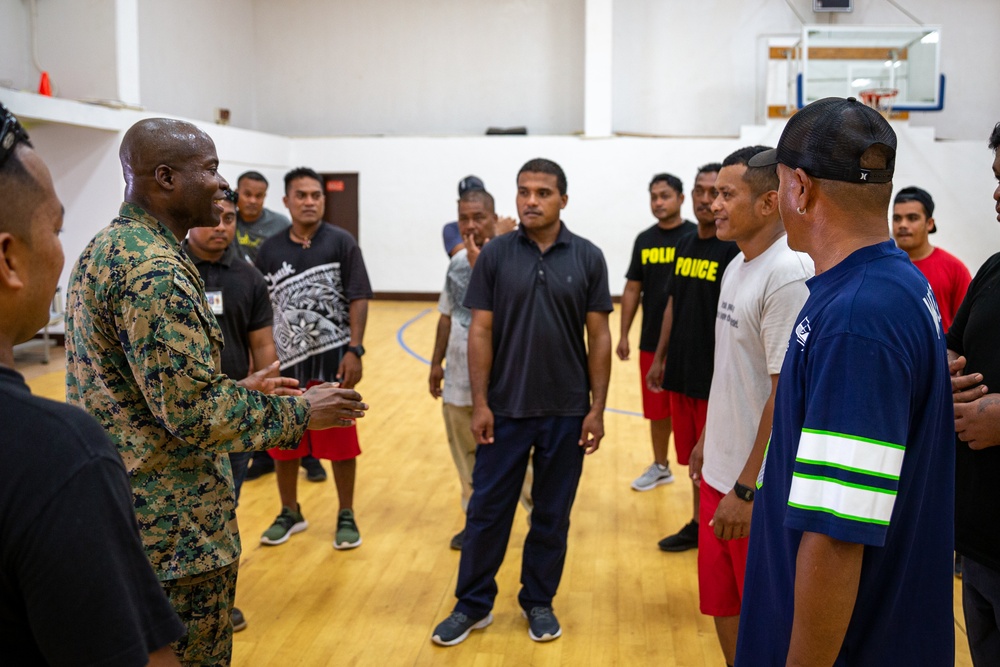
(828,138)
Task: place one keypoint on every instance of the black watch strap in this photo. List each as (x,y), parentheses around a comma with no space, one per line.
(744,492)
(358,350)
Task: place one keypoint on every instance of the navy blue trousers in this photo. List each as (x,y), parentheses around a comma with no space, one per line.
(496,486)
(981,603)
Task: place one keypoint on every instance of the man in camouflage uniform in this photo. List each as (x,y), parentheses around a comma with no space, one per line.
(143,349)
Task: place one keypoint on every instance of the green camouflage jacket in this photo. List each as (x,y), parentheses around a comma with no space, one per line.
(142,356)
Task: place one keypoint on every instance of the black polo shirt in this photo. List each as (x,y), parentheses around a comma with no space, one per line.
(977,501)
(237,294)
(539,303)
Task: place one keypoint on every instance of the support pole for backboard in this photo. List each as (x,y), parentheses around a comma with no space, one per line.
(597,69)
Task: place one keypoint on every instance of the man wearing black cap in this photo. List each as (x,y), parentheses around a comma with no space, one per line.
(972,350)
(912,222)
(851,537)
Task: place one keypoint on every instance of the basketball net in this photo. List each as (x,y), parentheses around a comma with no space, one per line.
(880,99)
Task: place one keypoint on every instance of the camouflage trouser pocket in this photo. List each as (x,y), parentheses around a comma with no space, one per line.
(204,603)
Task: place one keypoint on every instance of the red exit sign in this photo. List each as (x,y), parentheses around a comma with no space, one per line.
(334,186)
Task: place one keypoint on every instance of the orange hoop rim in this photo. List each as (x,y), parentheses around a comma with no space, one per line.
(873,96)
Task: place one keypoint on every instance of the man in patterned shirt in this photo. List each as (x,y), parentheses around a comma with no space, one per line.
(319,292)
(143,351)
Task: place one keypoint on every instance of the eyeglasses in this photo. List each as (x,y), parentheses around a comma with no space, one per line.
(11,133)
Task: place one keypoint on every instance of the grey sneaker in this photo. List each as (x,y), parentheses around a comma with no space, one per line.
(543,626)
(287,524)
(652,477)
(454,629)
(347,536)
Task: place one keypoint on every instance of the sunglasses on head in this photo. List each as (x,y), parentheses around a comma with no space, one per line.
(11,133)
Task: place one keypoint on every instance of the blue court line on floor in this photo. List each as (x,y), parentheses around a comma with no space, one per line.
(412,353)
(402,343)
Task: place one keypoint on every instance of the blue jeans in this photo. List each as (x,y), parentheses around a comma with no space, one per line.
(496,483)
(981,603)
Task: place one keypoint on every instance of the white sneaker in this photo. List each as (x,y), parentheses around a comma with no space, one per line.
(653,476)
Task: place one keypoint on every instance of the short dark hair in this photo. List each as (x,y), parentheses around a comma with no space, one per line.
(711,167)
(669,179)
(481,196)
(760,179)
(253,176)
(19,190)
(919,195)
(301,172)
(232,196)
(20,193)
(995,138)
(540,165)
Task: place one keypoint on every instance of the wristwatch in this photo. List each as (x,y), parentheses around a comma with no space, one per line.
(358,350)
(743,492)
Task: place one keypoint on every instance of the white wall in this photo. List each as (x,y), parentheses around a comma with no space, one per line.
(16,70)
(401,67)
(197,56)
(75,44)
(455,67)
(408,185)
(407,190)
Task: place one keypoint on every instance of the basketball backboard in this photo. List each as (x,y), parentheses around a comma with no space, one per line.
(842,61)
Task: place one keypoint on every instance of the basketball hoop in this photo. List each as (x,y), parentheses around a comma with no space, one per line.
(880,99)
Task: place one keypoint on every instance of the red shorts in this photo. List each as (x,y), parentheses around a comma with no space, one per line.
(722,564)
(332,444)
(655,405)
(688,415)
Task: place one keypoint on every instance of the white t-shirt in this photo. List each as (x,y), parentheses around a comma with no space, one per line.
(457,388)
(758,305)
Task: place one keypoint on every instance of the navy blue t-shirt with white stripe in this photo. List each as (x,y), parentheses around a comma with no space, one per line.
(862,450)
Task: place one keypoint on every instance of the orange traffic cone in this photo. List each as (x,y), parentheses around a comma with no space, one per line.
(45,86)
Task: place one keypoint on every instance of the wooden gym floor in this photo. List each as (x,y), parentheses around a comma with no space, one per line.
(621,601)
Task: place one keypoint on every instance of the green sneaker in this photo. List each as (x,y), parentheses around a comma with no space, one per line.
(287,524)
(347,536)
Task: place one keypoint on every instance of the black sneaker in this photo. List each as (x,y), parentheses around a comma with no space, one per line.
(315,472)
(456,541)
(686,538)
(543,626)
(454,629)
(260,465)
(237,619)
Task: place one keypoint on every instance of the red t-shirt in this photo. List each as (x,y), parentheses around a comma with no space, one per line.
(948,278)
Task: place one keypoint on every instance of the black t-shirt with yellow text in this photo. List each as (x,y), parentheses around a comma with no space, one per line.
(695,288)
(653,265)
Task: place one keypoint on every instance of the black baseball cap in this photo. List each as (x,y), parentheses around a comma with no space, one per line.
(470,183)
(913,193)
(827,138)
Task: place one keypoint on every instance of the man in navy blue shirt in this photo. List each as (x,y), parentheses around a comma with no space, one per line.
(537,383)
(850,557)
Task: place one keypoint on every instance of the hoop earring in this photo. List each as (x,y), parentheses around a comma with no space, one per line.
(800,211)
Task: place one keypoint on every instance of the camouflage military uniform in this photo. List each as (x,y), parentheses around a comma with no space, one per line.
(142,351)
(210,640)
